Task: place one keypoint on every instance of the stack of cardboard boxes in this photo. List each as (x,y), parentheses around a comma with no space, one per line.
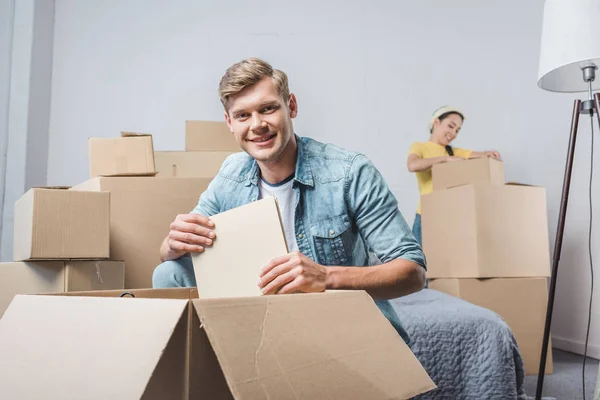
(487,242)
(105,233)
(61,244)
(207,145)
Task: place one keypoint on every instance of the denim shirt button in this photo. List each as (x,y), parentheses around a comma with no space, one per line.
(300,236)
(332,232)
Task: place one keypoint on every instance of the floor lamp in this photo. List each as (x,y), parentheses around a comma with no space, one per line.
(569,58)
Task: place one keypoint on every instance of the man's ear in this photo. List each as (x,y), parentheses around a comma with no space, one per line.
(228,121)
(293,106)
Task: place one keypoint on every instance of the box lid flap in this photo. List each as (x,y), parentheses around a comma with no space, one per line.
(338,342)
(76,347)
(234,255)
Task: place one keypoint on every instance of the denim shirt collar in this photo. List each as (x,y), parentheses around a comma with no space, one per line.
(303,172)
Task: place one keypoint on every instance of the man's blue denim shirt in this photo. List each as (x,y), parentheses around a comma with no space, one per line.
(345,212)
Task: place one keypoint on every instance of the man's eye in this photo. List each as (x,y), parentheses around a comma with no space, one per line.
(269,108)
(241,116)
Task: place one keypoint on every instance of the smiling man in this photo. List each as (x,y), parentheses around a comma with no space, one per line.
(336,207)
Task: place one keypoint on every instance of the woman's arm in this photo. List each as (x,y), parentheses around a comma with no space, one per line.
(415,163)
(489,153)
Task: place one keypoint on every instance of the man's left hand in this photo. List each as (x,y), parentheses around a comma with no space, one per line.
(292,273)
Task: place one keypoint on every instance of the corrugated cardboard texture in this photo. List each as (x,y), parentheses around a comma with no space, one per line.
(478,170)
(189,164)
(127,155)
(142,209)
(305,346)
(61,224)
(83,347)
(57,276)
(231,267)
(486,231)
(209,136)
(310,346)
(521,302)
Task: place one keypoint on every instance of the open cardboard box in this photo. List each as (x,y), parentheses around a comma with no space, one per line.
(167,344)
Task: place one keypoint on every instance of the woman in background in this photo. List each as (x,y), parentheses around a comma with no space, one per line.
(445,124)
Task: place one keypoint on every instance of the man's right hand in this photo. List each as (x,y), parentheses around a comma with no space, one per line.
(189,233)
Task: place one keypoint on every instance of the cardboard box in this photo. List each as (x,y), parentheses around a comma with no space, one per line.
(142,209)
(189,164)
(209,136)
(486,231)
(477,170)
(305,346)
(521,302)
(130,155)
(52,223)
(231,267)
(58,276)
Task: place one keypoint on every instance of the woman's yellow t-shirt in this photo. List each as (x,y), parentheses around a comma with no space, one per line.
(430,150)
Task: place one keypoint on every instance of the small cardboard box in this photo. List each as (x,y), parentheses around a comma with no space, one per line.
(231,268)
(189,164)
(209,136)
(130,155)
(521,302)
(52,223)
(142,209)
(301,346)
(478,170)
(486,231)
(58,276)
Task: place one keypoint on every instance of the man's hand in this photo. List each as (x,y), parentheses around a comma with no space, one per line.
(292,273)
(189,233)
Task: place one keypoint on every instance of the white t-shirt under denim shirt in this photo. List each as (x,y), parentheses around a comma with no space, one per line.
(286,197)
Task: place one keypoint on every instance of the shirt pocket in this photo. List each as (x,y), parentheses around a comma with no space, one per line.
(333,239)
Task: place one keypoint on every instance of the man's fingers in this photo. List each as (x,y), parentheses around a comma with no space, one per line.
(196,218)
(185,247)
(279,281)
(194,228)
(273,263)
(190,238)
(275,272)
(293,287)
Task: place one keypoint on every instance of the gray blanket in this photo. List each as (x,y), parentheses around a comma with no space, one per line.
(468,351)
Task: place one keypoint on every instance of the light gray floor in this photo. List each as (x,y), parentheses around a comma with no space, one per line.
(565,383)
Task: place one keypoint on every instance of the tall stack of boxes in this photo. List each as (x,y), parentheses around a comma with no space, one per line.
(106,233)
(486,242)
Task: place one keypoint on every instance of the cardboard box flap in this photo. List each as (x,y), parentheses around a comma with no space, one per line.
(234,255)
(52,187)
(339,343)
(68,347)
(134,134)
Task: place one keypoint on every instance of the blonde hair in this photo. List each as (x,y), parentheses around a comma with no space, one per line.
(247,73)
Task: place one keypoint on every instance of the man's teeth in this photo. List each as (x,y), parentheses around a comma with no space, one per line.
(263,140)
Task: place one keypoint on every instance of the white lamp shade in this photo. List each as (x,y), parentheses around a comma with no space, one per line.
(570,41)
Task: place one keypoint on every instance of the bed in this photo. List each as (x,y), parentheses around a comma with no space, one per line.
(468,351)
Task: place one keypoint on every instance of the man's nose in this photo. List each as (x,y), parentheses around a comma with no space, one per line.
(257,122)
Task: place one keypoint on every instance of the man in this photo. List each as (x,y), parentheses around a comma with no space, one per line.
(336,206)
